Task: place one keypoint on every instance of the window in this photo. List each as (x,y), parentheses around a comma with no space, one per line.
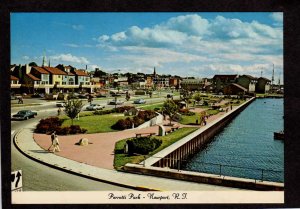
(64,83)
(59,76)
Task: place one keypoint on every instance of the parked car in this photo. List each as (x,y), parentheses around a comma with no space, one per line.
(60,104)
(83,96)
(101,95)
(139,101)
(24,115)
(115,102)
(94,107)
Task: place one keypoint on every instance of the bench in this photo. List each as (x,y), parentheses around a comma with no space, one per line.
(146,134)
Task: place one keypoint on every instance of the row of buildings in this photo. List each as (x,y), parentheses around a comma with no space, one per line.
(31,78)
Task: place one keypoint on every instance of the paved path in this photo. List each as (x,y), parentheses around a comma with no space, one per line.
(100,153)
(27,145)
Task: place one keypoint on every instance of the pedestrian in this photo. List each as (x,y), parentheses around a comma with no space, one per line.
(230,107)
(58,112)
(52,140)
(204,122)
(56,144)
(20,100)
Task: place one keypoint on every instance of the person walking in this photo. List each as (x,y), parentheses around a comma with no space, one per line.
(56,144)
(58,112)
(52,140)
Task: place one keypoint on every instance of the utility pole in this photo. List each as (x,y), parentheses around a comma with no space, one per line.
(272,83)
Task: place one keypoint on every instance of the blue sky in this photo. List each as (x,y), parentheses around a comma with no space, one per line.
(185,44)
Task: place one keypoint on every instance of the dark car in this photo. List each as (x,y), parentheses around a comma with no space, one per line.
(139,101)
(114,102)
(24,115)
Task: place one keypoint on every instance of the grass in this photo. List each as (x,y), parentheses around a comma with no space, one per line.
(95,123)
(212,112)
(24,105)
(151,106)
(190,120)
(121,159)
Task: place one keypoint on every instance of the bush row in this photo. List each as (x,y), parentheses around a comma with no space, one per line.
(115,110)
(126,123)
(48,125)
(142,145)
(186,112)
(73,129)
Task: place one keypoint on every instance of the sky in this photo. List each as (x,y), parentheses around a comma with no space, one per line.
(186,44)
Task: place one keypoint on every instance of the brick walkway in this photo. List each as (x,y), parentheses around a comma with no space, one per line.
(101,152)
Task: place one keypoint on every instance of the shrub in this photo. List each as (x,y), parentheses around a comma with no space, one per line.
(123,124)
(126,123)
(142,145)
(205,103)
(48,125)
(137,121)
(123,108)
(156,109)
(186,112)
(73,129)
(104,112)
(146,115)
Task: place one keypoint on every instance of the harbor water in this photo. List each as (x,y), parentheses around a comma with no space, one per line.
(246,147)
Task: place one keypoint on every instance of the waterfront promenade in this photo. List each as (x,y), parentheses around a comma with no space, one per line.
(100,152)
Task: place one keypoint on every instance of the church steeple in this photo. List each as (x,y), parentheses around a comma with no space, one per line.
(44,64)
(154,72)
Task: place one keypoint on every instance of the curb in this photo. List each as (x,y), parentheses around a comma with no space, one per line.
(64,169)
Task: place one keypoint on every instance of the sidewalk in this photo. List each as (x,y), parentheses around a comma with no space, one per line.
(25,143)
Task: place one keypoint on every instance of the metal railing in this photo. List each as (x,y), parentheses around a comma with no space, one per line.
(258,174)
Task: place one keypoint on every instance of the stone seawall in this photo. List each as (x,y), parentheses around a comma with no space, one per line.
(172,156)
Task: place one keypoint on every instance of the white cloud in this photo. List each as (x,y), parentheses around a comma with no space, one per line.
(77,27)
(70,58)
(277,17)
(25,57)
(71,45)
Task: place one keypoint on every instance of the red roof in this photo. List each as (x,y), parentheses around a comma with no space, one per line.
(80,72)
(33,77)
(13,78)
(41,70)
(224,77)
(55,71)
(69,73)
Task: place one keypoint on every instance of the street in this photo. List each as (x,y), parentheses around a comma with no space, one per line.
(38,177)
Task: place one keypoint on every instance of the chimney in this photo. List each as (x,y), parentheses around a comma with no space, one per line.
(86,67)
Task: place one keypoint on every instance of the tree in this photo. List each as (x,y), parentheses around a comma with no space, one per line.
(33,64)
(73,108)
(170,108)
(197,97)
(186,96)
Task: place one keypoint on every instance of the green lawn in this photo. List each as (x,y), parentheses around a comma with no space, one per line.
(190,120)
(95,123)
(24,105)
(121,159)
(150,106)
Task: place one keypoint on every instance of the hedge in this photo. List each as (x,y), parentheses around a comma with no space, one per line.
(142,145)
(48,125)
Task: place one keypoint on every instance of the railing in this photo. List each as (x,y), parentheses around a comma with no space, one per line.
(258,174)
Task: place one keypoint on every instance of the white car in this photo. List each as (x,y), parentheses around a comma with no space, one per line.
(94,107)
(60,104)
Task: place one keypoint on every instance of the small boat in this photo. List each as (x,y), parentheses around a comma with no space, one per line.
(279,135)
